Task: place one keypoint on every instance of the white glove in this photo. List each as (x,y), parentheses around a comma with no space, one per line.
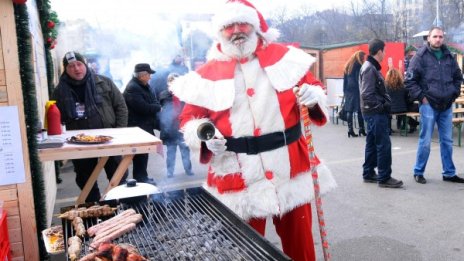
(309,95)
(216,146)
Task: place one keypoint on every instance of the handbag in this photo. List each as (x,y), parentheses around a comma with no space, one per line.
(342,115)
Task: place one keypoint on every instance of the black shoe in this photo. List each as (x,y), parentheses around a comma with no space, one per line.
(454,179)
(412,130)
(420,179)
(189,173)
(391,183)
(362,132)
(371,179)
(351,133)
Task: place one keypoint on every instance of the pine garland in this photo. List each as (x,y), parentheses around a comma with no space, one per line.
(49,32)
(31,115)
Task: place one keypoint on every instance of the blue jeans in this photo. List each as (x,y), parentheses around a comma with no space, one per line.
(428,117)
(378,147)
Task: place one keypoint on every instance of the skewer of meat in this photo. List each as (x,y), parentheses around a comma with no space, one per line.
(116,234)
(93,211)
(117,226)
(79,227)
(91,231)
(74,247)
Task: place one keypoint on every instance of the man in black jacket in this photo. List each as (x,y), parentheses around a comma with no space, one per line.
(375,107)
(143,106)
(89,101)
(434,79)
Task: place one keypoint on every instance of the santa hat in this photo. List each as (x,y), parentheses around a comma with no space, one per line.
(242,11)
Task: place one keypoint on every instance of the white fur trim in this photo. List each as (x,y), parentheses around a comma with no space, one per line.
(271,35)
(213,95)
(265,199)
(235,13)
(190,133)
(225,163)
(289,70)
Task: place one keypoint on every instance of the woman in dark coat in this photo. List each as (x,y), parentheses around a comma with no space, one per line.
(400,101)
(351,92)
(169,130)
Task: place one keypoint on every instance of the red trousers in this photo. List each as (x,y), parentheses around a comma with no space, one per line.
(295,232)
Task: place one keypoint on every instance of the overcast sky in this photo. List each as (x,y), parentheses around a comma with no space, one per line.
(129,11)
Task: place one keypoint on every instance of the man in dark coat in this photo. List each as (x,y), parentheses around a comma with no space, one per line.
(143,106)
(89,101)
(375,106)
(434,79)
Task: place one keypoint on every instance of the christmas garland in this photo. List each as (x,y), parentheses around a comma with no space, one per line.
(49,21)
(31,115)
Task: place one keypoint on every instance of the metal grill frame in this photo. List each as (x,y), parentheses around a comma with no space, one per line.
(161,213)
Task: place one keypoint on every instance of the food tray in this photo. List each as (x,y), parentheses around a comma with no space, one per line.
(49,241)
(99,139)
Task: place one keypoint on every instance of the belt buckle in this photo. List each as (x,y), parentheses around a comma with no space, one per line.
(251,145)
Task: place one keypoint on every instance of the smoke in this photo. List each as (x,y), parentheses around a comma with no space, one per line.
(116,35)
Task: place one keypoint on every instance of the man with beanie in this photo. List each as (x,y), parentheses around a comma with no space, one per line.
(89,101)
(143,106)
(375,107)
(434,79)
(258,160)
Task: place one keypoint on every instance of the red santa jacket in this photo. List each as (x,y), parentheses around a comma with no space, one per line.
(251,98)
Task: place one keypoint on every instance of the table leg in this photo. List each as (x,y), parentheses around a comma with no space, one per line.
(92,179)
(117,176)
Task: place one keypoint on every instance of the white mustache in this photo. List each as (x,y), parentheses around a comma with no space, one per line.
(238,36)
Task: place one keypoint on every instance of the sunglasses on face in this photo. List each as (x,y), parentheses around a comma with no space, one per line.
(241,27)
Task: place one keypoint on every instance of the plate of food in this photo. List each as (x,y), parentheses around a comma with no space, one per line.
(53,239)
(88,139)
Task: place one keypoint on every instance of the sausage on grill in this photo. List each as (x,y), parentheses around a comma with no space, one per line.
(114,235)
(91,231)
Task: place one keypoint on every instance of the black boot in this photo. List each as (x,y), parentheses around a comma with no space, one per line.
(351,133)
(362,132)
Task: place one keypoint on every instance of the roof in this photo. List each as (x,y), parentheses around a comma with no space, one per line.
(334,46)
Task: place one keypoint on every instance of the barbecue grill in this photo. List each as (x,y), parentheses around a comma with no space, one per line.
(186,224)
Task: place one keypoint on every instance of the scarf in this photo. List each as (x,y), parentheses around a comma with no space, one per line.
(67,99)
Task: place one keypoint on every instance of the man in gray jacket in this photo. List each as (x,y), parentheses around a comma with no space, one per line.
(375,107)
(434,79)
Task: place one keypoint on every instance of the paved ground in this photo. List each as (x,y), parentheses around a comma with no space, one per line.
(364,222)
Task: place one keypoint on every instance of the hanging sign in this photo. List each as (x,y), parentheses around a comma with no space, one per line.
(11,152)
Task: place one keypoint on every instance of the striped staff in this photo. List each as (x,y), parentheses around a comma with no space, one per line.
(317,194)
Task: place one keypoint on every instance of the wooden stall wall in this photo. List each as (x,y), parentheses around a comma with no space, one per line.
(18,198)
(40,79)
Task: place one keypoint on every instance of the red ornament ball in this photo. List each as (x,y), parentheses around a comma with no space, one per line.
(50,40)
(50,24)
(19,2)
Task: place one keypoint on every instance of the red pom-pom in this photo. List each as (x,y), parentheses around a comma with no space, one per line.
(19,2)
(49,40)
(50,24)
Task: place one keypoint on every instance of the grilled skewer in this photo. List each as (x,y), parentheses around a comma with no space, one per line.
(79,227)
(74,248)
(93,211)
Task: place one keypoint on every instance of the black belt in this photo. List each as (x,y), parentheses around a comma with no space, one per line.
(253,145)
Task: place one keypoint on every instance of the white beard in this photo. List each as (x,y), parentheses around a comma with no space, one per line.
(242,50)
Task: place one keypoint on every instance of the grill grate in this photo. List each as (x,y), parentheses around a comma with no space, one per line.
(187,225)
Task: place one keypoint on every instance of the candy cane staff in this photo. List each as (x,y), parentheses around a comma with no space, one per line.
(304,114)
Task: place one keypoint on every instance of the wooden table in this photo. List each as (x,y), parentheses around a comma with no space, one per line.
(126,142)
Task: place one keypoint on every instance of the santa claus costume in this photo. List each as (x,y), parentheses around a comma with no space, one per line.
(265,171)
